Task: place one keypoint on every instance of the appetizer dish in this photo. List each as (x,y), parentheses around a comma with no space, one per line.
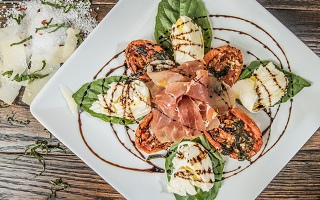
(191,102)
(36,39)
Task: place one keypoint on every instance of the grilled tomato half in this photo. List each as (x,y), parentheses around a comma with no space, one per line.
(145,140)
(225,63)
(237,136)
(141,52)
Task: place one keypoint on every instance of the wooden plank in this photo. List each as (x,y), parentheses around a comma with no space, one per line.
(16,180)
(308,5)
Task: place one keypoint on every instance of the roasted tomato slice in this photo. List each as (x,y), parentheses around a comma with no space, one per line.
(237,136)
(225,63)
(140,52)
(145,140)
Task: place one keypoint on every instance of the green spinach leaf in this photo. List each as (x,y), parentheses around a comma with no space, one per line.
(169,12)
(217,163)
(89,92)
(295,82)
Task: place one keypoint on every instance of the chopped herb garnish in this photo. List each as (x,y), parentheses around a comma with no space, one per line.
(57,183)
(13,121)
(56,26)
(66,7)
(18,19)
(25,77)
(87,1)
(22,41)
(43,146)
(44,22)
(155,156)
(79,38)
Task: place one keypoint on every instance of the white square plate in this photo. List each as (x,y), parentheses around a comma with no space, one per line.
(130,20)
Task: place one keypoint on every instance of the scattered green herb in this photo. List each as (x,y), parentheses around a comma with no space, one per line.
(22,41)
(13,121)
(18,19)
(295,82)
(156,156)
(79,38)
(32,150)
(25,77)
(57,183)
(65,6)
(49,22)
(56,26)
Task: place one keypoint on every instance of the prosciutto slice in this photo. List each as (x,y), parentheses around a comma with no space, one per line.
(181,98)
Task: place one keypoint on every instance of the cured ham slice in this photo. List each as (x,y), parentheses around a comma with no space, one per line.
(184,73)
(181,103)
(198,87)
(190,115)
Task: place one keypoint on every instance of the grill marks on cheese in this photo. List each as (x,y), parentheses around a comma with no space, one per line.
(263,89)
(192,168)
(187,40)
(128,99)
(271,85)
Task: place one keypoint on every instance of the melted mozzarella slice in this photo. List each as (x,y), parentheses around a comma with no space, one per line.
(263,89)
(124,100)
(192,168)
(187,40)
(246,93)
(270,85)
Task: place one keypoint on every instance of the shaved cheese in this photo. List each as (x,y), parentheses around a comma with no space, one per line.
(54,55)
(14,57)
(8,32)
(33,88)
(67,94)
(8,90)
(70,44)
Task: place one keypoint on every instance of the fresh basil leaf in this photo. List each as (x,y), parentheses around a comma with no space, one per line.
(89,92)
(295,85)
(217,164)
(248,71)
(169,12)
(295,82)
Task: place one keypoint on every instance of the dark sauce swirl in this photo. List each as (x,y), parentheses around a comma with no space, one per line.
(267,131)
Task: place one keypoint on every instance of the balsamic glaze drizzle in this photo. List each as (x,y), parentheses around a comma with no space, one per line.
(154,168)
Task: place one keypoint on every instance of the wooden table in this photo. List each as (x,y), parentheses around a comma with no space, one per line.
(300,179)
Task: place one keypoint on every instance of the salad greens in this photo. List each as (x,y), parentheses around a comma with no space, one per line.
(217,164)
(89,92)
(295,82)
(169,11)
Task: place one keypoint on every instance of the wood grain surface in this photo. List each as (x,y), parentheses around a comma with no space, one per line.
(300,179)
